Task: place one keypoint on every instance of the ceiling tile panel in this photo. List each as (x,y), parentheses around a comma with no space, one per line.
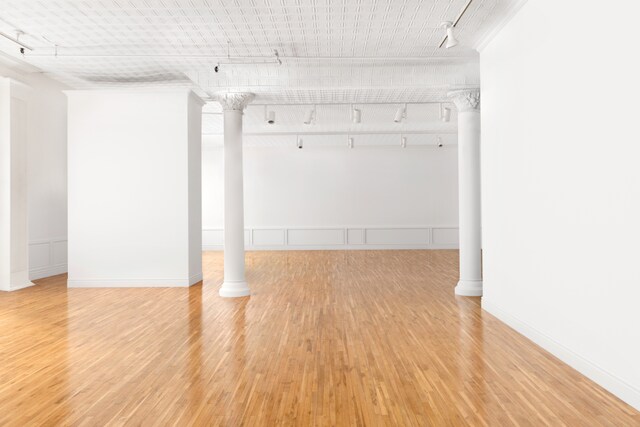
(331,51)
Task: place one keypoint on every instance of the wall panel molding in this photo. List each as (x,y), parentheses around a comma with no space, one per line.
(338,238)
(47,257)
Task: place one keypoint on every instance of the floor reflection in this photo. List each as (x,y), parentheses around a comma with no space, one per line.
(470,357)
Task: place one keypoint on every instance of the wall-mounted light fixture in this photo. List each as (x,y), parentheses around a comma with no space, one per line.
(403,142)
(350,142)
(299,142)
(440,144)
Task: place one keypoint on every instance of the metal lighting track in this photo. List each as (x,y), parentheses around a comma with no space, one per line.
(456,21)
(15,40)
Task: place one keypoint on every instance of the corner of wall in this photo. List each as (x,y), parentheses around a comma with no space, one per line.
(610,382)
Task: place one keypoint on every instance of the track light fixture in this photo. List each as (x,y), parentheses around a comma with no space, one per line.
(440,144)
(356,115)
(17,41)
(403,142)
(451,39)
(401,113)
(445,113)
(269,116)
(300,143)
(311,116)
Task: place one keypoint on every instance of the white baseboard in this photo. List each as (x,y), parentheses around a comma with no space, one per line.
(40,273)
(22,286)
(17,280)
(134,283)
(610,382)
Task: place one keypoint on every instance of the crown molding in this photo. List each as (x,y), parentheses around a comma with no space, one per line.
(484,41)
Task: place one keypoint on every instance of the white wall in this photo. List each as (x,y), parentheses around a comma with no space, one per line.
(46,171)
(335,197)
(561,184)
(134,188)
(14,227)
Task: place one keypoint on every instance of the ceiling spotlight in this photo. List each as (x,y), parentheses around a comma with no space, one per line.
(451,39)
(404,142)
(445,114)
(356,115)
(350,142)
(401,113)
(271,117)
(310,117)
(300,143)
(440,144)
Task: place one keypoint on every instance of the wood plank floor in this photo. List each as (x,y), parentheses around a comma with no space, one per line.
(348,338)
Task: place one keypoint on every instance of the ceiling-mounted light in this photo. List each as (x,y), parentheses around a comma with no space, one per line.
(401,113)
(451,39)
(440,144)
(356,115)
(269,116)
(350,142)
(310,117)
(300,143)
(445,113)
(403,142)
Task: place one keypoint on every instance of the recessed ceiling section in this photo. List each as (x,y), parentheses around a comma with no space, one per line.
(351,51)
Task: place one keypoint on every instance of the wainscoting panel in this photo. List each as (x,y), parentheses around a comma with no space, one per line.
(315,237)
(263,237)
(398,236)
(212,238)
(39,255)
(47,257)
(355,236)
(299,238)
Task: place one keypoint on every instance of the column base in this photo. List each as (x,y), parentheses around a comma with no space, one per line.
(469,288)
(234,289)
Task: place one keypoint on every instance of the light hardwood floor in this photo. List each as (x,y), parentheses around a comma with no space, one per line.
(327,338)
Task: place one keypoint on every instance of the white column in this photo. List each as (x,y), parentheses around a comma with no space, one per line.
(467,102)
(234,284)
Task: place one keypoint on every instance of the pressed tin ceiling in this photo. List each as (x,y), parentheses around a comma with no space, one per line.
(360,51)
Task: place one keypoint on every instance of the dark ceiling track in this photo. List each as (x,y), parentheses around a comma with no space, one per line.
(456,21)
(16,41)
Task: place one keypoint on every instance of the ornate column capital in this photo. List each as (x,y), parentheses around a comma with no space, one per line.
(233,100)
(466,99)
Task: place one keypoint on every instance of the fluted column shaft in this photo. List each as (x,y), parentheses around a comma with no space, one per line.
(467,102)
(234,284)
